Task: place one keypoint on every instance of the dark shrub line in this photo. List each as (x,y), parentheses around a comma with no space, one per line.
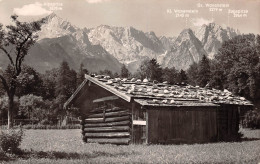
(44,127)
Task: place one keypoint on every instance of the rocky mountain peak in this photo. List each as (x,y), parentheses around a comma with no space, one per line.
(116,45)
(212,36)
(56,27)
(52,15)
(186,35)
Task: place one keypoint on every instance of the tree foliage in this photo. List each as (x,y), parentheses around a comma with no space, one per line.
(81,74)
(183,77)
(170,75)
(252,119)
(217,76)
(29,82)
(49,84)
(124,72)
(150,69)
(66,81)
(15,42)
(192,74)
(238,60)
(32,106)
(106,72)
(203,77)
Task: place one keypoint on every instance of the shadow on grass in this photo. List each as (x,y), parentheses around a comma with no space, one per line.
(248,139)
(25,154)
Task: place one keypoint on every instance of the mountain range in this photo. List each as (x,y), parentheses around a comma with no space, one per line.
(108,47)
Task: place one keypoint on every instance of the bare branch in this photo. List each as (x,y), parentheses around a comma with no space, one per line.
(19,56)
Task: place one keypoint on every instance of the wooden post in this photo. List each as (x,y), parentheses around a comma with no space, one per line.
(218,121)
(104,115)
(132,129)
(147,125)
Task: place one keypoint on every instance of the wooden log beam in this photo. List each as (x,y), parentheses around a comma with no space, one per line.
(108,135)
(109,114)
(104,99)
(100,110)
(108,129)
(114,119)
(82,123)
(118,141)
(109,124)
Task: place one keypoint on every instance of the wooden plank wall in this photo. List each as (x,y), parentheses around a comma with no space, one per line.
(138,131)
(107,126)
(182,125)
(228,122)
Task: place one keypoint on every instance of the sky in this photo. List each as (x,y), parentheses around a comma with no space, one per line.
(164,17)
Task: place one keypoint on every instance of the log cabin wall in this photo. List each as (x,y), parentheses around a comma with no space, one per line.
(105,118)
(107,125)
(182,125)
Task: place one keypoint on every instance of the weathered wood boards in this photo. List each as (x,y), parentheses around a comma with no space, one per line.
(118,141)
(120,123)
(109,114)
(108,98)
(181,126)
(228,122)
(107,126)
(165,114)
(108,129)
(114,119)
(107,135)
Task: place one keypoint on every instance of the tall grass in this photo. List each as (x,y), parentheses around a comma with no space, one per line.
(66,146)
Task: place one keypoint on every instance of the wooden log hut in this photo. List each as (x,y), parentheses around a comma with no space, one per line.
(122,111)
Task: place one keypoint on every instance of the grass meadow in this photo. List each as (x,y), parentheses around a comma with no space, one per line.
(66,146)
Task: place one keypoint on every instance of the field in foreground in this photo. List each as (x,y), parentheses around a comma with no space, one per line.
(66,146)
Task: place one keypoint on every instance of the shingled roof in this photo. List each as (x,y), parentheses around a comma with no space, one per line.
(161,94)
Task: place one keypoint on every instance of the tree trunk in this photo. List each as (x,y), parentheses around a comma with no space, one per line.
(10,111)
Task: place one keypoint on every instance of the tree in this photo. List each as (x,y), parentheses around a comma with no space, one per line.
(66,81)
(32,106)
(203,72)
(106,72)
(65,86)
(170,75)
(183,77)
(238,60)
(49,84)
(124,72)
(3,107)
(143,70)
(217,79)
(2,90)
(150,69)
(192,74)
(29,82)
(81,74)
(116,75)
(15,42)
